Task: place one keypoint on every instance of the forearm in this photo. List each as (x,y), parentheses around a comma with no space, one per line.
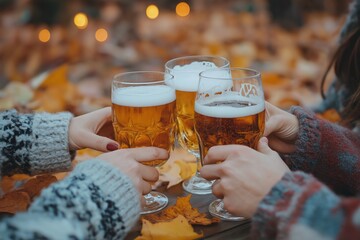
(328,151)
(299,206)
(95,201)
(34,143)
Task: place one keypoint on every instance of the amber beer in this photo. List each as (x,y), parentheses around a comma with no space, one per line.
(185,119)
(144,116)
(186,79)
(228,120)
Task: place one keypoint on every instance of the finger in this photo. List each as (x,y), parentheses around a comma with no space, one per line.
(146,188)
(217,189)
(210,172)
(144,154)
(105,113)
(272,125)
(103,144)
(142,201)
(263,146)
(220,153)
(280,146)
(149,174)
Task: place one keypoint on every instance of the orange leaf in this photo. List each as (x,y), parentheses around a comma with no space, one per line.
(182,207)
(177,229)
(14,202)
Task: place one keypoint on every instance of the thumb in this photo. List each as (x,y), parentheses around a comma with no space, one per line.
(271,125)
(263,146)
(99,143)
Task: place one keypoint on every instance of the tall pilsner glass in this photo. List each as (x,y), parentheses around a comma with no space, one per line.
(229,109)
(186,79)
(143,110)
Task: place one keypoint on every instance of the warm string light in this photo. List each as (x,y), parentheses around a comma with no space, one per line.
(182,9)
(81,20)
(152,11)
(101,35)
(44,35)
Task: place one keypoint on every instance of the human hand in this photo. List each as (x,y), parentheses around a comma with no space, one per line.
(244,176)
(128,161)
(92,130)
(281,129)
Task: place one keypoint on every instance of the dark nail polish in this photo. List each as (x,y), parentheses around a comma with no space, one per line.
(112,147)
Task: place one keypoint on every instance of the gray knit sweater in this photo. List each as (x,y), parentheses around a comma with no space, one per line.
(96,201)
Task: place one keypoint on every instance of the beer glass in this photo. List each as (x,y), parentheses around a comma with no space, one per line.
(143,112)
(229,109)
(186,79)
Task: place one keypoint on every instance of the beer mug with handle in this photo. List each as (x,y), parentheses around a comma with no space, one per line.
(186,80)
(229,109)
(143,111)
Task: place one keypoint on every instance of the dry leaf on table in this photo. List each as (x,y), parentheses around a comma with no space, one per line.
(177,229)
(182,207)
(13,202)
(35,185)
(187,169)
(180,166)
(6,185)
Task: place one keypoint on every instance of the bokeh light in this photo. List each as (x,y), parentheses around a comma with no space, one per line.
(152,11)
(101,35)
(81,20)
(44,35)
(182,9)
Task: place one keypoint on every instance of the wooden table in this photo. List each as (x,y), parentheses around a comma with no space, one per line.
(221,230)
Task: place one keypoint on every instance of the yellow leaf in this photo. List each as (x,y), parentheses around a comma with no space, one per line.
(170,173)
(187,169)
(56,77)
(182,207)
(177,229)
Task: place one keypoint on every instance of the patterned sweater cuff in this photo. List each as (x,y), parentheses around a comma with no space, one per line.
(115,186)
(274,210)
(308,143)
(50,147)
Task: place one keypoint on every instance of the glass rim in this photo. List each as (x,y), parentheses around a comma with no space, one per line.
(256,74)
(226,65)
(127,82)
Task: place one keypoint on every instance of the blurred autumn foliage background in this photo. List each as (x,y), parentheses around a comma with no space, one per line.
(61,55)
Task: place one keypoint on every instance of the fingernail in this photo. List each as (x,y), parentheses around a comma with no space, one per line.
(112,147)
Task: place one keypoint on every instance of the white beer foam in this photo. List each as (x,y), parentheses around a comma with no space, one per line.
(229,111)
(143,96)
(215,81)
(186,77)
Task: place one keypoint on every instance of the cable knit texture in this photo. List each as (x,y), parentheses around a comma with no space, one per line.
(301,206)
(96,201)
(34,144)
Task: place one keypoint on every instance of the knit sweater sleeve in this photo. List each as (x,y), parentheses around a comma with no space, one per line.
(329,151)
(96,201)
(34,143)
(301,207)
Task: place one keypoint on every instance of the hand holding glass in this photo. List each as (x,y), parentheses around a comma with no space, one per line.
(229,109)
(186,79)
(143,110)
